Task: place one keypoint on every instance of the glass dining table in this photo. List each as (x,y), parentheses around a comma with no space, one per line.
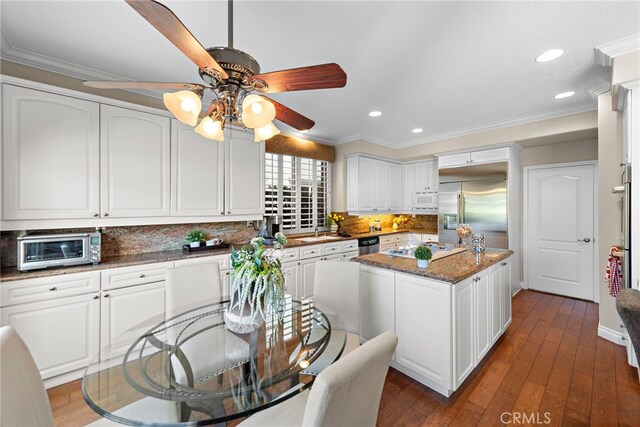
(187,368)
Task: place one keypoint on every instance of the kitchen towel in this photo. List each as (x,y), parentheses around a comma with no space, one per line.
(613,276)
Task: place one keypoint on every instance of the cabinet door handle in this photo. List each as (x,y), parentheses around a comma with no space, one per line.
(95,215)
(586,240)
(228,212)
(106,295)
(141,275)
(298,263)
(106,214)
(96,297)
(222,213)
(53,288)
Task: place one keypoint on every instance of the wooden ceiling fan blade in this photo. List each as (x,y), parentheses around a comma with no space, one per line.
(165,21)
(141,85)
(291,117)
(324,76)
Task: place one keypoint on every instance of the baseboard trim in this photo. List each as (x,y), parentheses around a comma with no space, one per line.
(516,292)
(611,335)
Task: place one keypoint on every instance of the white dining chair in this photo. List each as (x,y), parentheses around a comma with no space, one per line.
(24,400)
(347,393)
(337,294)
(189,287)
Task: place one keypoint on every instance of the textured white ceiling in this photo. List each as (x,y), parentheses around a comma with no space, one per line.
(447,67)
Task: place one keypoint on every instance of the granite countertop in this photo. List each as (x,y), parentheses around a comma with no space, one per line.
(451,269)
(11,273)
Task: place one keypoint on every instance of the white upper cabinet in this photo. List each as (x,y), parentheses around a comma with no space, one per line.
(394,192)
(244,175)
(373,185)
(482,156)
(197,173)
(420,177)
(379,186)
(51,155)
(135,162)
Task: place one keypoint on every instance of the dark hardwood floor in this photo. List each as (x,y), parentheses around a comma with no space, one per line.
(550,368)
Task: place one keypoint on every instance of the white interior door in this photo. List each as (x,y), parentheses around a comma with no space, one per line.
(560,230)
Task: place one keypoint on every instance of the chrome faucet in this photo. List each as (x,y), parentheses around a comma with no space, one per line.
(316,229)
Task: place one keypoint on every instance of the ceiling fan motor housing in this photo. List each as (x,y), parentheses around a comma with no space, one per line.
(240,66)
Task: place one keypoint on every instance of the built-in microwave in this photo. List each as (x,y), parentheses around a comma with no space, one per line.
(425,201)
(58,250)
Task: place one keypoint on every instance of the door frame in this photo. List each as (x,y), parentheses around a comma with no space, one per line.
(596,220)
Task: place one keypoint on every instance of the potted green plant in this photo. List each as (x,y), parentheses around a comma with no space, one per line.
(257,286)
(194,238)
(423,254)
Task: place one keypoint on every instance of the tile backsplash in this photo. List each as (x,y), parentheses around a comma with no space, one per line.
(138,239)
(360,224)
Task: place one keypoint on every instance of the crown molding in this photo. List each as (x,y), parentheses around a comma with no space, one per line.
(11,53)
(605,53)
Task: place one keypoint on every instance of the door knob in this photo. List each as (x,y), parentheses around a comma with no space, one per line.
(586,240)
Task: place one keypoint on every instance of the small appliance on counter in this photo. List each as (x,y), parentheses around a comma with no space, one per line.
(271,225)
(58,250)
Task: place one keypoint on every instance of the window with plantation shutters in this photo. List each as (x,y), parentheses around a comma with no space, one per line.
(297,189)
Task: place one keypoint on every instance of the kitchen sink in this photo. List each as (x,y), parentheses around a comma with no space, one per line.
(318,239)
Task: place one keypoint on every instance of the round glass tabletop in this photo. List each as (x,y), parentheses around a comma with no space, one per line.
(190,369)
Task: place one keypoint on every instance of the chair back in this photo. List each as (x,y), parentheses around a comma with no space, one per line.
(191,286)
(337,293)
(24,400)
(348,392)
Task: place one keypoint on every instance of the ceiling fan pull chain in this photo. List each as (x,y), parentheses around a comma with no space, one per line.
(230,26)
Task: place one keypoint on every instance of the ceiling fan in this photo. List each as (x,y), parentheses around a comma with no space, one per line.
(232,76)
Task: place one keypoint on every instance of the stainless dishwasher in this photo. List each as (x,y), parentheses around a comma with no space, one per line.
(368,245)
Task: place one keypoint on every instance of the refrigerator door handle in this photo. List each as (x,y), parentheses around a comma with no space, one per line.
(460,209)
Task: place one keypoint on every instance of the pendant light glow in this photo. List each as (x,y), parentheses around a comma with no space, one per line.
(375,114)
(185,105)
(210,129)
(257,112)
(564,94)
(265,132)
(549,55)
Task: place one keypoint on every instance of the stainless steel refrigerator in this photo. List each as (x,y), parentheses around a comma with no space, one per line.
(475,195)
(625,191)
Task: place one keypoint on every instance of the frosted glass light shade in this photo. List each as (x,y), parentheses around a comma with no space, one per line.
(265,132)
(210,129)
(185,105)
(257,112)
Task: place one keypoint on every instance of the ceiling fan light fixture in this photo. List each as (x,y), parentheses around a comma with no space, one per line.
(265,132)
(185,105)
(210,129)
(257,112)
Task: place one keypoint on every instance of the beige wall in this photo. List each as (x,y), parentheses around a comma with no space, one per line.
(29,73)
(575,151)
(560,125)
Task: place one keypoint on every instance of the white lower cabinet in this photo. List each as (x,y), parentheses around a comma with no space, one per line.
(291,272)
(497,309)
(464,354)
(127,313)
(483,317)
(423,326)
(505,285)
(444,330)
(62,334)
(377,292)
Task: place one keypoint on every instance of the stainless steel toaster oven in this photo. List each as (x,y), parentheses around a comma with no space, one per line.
(58,250)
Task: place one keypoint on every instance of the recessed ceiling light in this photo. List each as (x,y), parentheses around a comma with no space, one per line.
(550,55)
(564,94)
(417,130)
(375,113)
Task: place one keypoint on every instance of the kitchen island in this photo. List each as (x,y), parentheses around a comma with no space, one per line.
(447,316)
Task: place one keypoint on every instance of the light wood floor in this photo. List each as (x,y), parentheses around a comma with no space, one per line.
(550,365)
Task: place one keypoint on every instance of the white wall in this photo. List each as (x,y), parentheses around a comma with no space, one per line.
(575,151)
